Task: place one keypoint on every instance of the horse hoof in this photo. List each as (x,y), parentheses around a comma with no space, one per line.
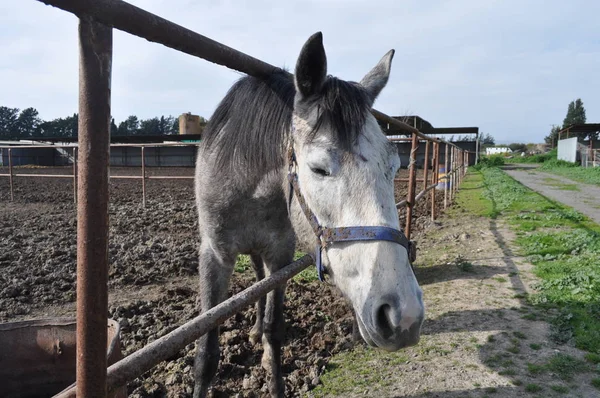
(255,337)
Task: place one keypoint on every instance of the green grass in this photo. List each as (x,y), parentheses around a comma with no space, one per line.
(563,245)
(589,175)
(243,264)
(533,388)
(350,370)
(596,382)
(470,196)
(541,158)
(560,389)
(560,185)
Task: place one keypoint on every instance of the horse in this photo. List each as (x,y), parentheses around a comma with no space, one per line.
(298,162)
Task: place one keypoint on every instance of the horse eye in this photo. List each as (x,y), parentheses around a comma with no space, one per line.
(320,172)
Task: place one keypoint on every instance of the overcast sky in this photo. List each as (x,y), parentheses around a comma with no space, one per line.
(508,67)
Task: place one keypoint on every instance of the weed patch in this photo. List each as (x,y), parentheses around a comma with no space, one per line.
(564,247)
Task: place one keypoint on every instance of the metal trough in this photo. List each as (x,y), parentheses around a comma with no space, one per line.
(38,357)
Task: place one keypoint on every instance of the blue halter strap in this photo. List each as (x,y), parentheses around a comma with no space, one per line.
(328,236)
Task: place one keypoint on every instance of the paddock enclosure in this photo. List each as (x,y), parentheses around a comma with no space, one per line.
(152,241)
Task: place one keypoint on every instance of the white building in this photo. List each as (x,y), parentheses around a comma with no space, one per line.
(497,149)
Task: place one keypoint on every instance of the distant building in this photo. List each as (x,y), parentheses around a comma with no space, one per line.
(497,149)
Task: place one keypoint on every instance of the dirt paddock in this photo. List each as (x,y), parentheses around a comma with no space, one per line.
(153,261)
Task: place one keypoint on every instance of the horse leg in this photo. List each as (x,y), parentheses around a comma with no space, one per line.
(274,330)
(215,271)
(257,330)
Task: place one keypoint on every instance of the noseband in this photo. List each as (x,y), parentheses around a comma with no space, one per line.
(327,236)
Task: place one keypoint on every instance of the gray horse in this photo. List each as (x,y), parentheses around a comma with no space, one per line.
(345,168)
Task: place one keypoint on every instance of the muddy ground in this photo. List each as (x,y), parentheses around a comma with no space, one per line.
(152,281)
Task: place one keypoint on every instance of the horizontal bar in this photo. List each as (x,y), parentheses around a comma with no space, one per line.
(170,177)
(136,21)
(49,146)
(116,177)
(170,344)
(418,197)
(45,175)
(423,192)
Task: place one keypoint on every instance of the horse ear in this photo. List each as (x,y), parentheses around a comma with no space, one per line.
(377,78)
(311,67)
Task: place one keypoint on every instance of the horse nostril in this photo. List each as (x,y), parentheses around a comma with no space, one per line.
(384,323)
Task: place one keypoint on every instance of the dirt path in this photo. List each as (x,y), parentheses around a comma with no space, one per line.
(480,339)
(582,197)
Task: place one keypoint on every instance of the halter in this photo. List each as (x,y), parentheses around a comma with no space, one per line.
(326,236)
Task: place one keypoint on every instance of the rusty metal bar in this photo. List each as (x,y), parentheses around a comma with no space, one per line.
(436,173)
(410,198)
(424,191)
(136,21)
(426,166)
(129,18)
(75,175)
(10,174)
(95,59)
(170,344)
(407,179)
(143,179)
(43,175)
(446,177)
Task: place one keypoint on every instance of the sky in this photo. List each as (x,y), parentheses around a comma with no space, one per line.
(509,67)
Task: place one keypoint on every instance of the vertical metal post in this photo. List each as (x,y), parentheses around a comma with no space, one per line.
(143,177)
(75,174)
(95,59)
(452,182)
(10,174)
(412,184)
(446,176)
(435,177)
(426,165)
(476,147)
(426,169)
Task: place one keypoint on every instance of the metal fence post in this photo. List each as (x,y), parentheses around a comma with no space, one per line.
(412,182)
(95,59)
(10,174)
(436,173)
(143,178)
(75,174)
(446,175)
(426,169)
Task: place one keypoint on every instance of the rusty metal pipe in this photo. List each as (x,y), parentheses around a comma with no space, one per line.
(426,166)
(75,175)
(10,174)
(143,178)
(424,191)
(136,21)
(95,59)
(446,177)
(410,197)
(170,344)
(436,173)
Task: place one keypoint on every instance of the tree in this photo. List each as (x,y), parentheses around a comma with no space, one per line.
(516,147)
(487,140)
(150,127)
(8,120)
(28,123)
(575,113)
(553,136)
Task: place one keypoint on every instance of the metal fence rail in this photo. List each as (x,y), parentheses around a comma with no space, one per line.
(74,174)
(97,19)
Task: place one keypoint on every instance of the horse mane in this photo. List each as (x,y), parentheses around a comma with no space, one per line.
(250,125)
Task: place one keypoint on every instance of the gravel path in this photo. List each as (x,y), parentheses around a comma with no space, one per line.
(582,197)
